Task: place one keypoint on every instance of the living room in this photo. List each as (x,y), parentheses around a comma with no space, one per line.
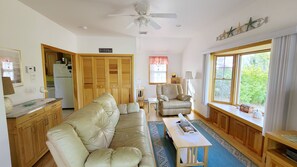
(26,25)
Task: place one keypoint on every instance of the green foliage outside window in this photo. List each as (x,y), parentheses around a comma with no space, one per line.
(254,78)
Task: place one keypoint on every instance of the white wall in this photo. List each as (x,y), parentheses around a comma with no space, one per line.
(170,47)
(121,45)
(282,14)
(24,29)
(4,143)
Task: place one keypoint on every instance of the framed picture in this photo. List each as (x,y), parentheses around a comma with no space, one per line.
(10,64)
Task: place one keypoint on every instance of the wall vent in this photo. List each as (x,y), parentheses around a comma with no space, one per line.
(105,50)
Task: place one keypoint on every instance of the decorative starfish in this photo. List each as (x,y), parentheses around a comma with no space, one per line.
(239,29)
(230,32)
(224,34)
(250,24)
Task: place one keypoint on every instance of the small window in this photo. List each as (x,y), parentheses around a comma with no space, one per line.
(223,78)
(158,69)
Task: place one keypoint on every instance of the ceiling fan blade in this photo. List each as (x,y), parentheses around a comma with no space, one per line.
(130,25)
(132,15)
(154,24)
(164,15)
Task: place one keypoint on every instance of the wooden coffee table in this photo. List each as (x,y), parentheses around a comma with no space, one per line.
(186,145)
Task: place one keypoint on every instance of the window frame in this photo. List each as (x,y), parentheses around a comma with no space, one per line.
(235,81)
(214,79)
(156,83)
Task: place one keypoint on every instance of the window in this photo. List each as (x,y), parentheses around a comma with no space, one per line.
(158,69)
(241,77)
(223,78)
(253,79)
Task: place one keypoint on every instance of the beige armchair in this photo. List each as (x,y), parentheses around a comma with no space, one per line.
(172,101)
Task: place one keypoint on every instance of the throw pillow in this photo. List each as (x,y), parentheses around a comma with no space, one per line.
(165,98)
(183,97)
(123,109)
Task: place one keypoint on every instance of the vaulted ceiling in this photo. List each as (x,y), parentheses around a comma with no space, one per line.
(192,15)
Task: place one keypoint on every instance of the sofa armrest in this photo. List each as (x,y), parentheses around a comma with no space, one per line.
(122,156)
(133,107)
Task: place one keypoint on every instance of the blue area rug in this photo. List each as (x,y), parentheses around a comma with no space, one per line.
(220,154)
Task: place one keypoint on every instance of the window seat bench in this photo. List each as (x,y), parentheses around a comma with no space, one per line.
(241,126)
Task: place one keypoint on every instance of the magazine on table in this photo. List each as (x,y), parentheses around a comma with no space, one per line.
(185,126)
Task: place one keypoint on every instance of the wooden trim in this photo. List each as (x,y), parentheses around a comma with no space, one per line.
(43,69)
(57,49)
(201,116)
(243,47)
(74,69)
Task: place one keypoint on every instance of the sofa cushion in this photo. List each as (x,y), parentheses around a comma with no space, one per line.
(93,126)
(173,104)
(65,144)
(110,107)
(170,90)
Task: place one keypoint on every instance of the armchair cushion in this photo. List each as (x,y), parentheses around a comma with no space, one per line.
(174,104)
(122,156)
(183,97)
(170,90)
(133,107)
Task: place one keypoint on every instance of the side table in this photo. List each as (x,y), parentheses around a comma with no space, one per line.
(152,101)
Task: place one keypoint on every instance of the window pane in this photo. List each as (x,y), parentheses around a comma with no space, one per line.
(224,67)
(222,90)
(158,73)
(253,79)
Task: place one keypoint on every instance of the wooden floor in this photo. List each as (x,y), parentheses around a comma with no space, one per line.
(48,161)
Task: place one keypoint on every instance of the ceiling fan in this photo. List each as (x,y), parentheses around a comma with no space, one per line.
(143,18)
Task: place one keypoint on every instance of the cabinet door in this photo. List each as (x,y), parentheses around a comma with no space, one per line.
(40,134)
(238,130)
(113,77)
(54,112)
(224,122)
(26,143)
(254,140)
(87,80)
(126,80)
(214,116)
(100,79)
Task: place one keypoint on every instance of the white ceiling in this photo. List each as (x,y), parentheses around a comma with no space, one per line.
(193,15)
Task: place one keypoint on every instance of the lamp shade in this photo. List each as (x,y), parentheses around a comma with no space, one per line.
(7,86)
(188,75)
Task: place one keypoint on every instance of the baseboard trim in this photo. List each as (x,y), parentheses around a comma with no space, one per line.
(201,116)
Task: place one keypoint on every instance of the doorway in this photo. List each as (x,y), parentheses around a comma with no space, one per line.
(59,77)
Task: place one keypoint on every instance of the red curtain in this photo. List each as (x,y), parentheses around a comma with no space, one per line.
(158,60)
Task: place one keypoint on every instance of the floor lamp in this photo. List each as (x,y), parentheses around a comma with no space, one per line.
(188,76)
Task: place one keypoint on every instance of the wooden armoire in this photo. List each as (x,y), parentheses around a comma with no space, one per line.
(111,73)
